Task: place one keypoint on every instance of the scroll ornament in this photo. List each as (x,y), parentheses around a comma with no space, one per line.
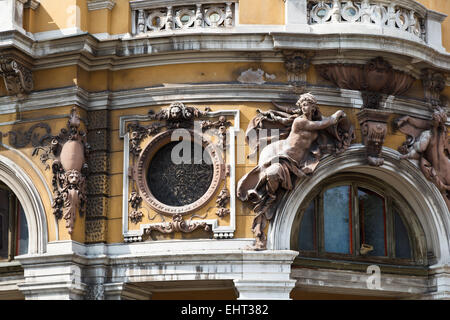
(304,137)
(18,79)
(68,152)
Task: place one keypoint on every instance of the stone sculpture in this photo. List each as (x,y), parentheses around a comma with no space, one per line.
(305,136)
(68,152)
(428,143)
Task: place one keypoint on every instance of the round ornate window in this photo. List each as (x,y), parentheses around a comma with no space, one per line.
(178,177)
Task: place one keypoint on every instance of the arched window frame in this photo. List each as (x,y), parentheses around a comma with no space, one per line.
(393,201)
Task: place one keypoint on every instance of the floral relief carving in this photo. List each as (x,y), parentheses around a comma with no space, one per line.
(68,153)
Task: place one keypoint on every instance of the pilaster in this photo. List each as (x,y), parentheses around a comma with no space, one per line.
(266,275)
(52,277)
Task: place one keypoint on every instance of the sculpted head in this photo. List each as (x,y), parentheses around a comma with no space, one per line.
(175,111)
(73,176)
(308,104)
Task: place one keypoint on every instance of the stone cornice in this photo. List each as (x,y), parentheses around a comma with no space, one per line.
(101,4)
(126,52)
(32,4)
(203,93)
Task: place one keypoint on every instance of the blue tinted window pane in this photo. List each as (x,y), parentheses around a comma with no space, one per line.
(306,238)
(336,210)
(372,220)
(402,245)
(22,237)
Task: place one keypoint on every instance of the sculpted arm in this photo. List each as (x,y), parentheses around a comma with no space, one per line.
(418,123)
(323,124)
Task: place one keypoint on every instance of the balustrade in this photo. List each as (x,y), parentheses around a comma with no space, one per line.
(150,17)
(402,15)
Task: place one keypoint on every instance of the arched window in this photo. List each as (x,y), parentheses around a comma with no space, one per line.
(13,225)
(356,218)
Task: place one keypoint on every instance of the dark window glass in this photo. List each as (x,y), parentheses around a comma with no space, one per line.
(372,218)
(402,246)
(22,232)
(306,237)
(337,219)
(13,226)
(4,224)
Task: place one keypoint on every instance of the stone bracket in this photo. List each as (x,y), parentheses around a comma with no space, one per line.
(18,78)
(373,130)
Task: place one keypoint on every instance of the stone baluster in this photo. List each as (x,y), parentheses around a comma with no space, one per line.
(412,20)
(228,15)
(199,16)
(169,18)
(365,11)
(391,15)
(141,22)
(336,11)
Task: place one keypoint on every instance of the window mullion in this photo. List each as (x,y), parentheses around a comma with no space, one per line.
(390,237)
(355,220)
(11,227)
(320,225)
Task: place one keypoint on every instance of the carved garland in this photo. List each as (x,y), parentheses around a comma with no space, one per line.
(68,152)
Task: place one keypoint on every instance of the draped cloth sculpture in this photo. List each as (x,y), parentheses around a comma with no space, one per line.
(304,136)
(428,143)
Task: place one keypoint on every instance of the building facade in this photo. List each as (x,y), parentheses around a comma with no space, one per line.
(236,149)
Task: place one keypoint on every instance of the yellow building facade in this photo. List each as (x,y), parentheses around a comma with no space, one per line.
(101,89)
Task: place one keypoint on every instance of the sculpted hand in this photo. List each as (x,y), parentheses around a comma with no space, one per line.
(338,115)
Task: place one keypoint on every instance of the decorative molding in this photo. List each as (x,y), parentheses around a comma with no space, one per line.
(202,93)
(18,78)
(101,4)
(32,4)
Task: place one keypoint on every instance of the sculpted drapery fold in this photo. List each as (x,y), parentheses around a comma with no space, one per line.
(304,136)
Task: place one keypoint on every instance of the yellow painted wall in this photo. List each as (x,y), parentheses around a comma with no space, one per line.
(60,14)
(261,11)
